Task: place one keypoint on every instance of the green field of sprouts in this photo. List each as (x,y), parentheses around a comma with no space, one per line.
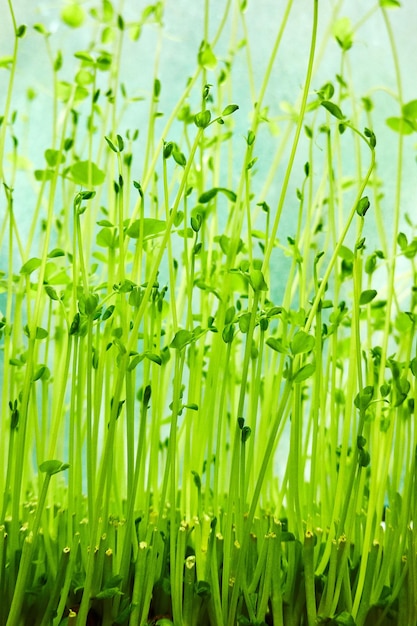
(207,315)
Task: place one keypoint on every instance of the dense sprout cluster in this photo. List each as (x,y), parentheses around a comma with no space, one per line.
(210,317)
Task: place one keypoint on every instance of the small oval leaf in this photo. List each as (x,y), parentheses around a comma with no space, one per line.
(304,372)
(53,467)
(367,296)
(231,108)
(181,339)
(30,266)
(333,109)
(302,342)
(86,173)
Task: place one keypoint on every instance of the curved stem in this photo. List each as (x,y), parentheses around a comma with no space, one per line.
(291,159)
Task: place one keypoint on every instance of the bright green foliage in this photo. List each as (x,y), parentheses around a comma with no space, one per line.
(343,32)
(333,109)
(206,56)
(85,173)
(202,119)
(53,467)
(30,266)
(208,311)
(73,15)
(302,342)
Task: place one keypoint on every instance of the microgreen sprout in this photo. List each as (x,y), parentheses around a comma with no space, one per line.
(209,317)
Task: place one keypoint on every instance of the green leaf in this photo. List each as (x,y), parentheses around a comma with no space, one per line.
(109,592)
(41,333)
(104,61)
(402,241)
(250,138)
(6,61)
(367,104)
(231,108)
(51,292)
(257,280)
(196,221)
(84,56)
(181,339)
(246,433)
(364,458)
(87,173)
(363,206)
(54,157)
(41,175)
(120,143)
(400,125)
(361,442)
(326,91)
(106,238)
(88,303)
(333,109)
(343,33)
(40,28)
(389,4)
(344,619)
(208,195)
(30,266)
(404,322)
(197,479)
(206,57)
(211,193)
(228,333)
(108,11)
(21,31)
(367,296)
(371,136)
(114,581)
(204,287)
(202,589)
(244,322)
(346,254)
(134,362)
(111,144)
(302,342)
(167,151)
(273,311)
(65,90)
(251,163)
(73,15)
(370,264)
(363,398)
(108,312)
(156,88)
(155,358)
(53,467)
(39,373)
(86,194)
(304,372)
(178,156)
(84,77)
(151,227)
(308,131)
(276,344)
(202,119)
(409,109)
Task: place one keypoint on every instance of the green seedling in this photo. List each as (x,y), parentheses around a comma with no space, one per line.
(210,318)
